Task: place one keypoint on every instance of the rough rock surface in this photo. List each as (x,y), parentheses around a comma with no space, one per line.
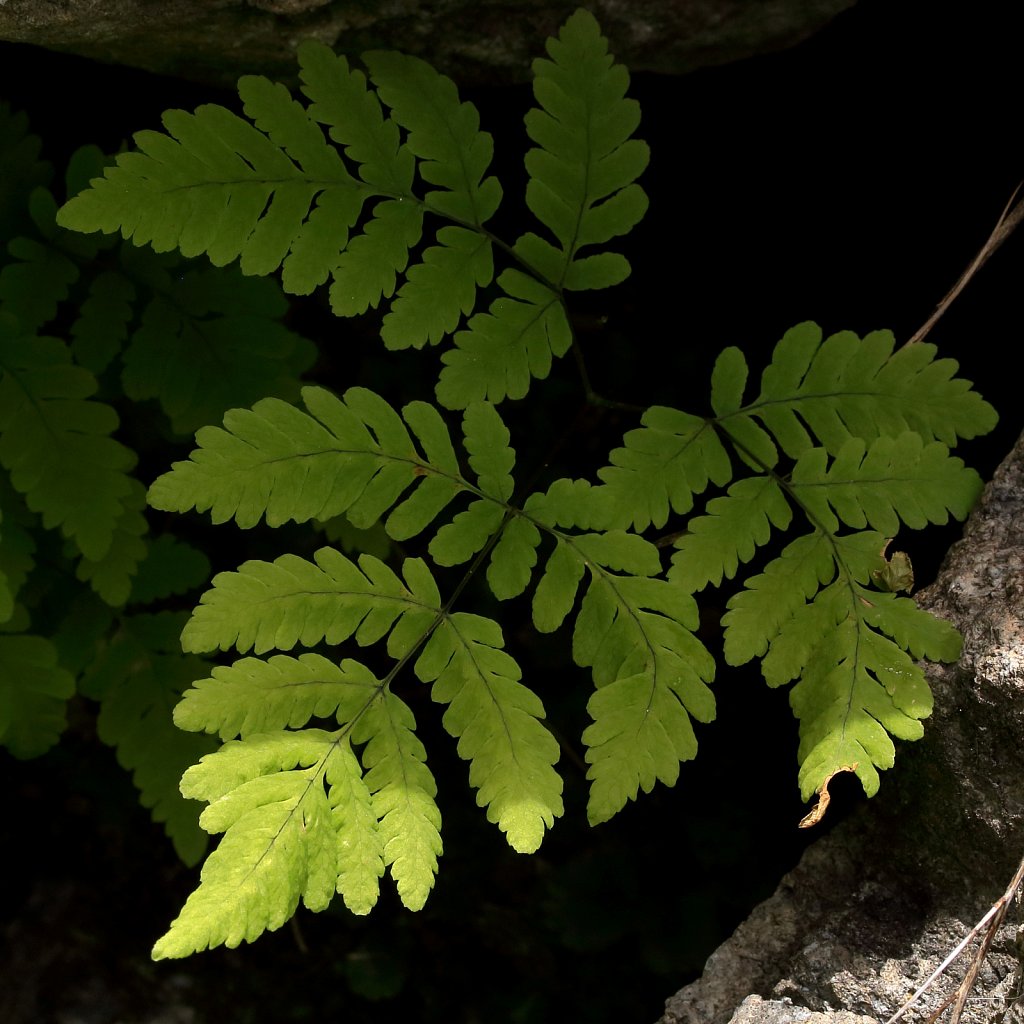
(877,904)
(214,41)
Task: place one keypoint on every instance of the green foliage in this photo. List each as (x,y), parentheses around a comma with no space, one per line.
(319,784)
(137,326)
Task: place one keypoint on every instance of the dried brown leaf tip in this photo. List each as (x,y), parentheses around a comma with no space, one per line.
(817,812)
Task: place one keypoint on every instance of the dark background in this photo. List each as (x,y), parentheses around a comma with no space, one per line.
(849,180)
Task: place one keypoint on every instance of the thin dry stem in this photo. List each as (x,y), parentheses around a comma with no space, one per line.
(990,923)
(1008,220)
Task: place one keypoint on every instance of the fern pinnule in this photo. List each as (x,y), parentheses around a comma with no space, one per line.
(582,175)
(402,791)
(502,350)
(353,455)
(881,484)
(276,605)
(669,459)
(283,692)
(497,721)
(730,532)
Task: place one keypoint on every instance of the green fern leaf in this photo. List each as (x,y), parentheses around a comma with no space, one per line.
(111,576)
(102,325)
(56,444)
(486,438)
(856,687)
(846,387)
(757,612)
(367,270)
(651,672)
(33,695)
(268,605)
(889,481)
(664,463)
(353,455)
(402,790)
(730,533)
(217,185)
(443,132)
(253,696)
(581,177)
(281,842)
(635,633)
(138,679)
(17,548)
(35,283)
(213,342)
(171,566)
(440,290)
(502,349)
(497,722)
(23,170)
(341,100)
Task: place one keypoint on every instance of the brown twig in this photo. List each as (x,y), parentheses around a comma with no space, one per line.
(1008,220)
(990,923)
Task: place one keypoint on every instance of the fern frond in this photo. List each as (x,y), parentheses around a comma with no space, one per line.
(635,633)
(138,679)
(729,533)
(497,721)
(281,837)
(33,695)
(56,444)
(664,463)
(502,349)
(216,184)
(582,177)
(267,605)
(846,387)
(211,342)
(847,647)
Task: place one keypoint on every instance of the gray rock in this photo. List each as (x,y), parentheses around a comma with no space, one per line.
(875,906)
(473,40)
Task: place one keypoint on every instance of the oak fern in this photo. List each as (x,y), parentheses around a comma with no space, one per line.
(379,187)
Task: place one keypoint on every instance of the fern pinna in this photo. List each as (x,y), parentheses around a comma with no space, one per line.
(847,440)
